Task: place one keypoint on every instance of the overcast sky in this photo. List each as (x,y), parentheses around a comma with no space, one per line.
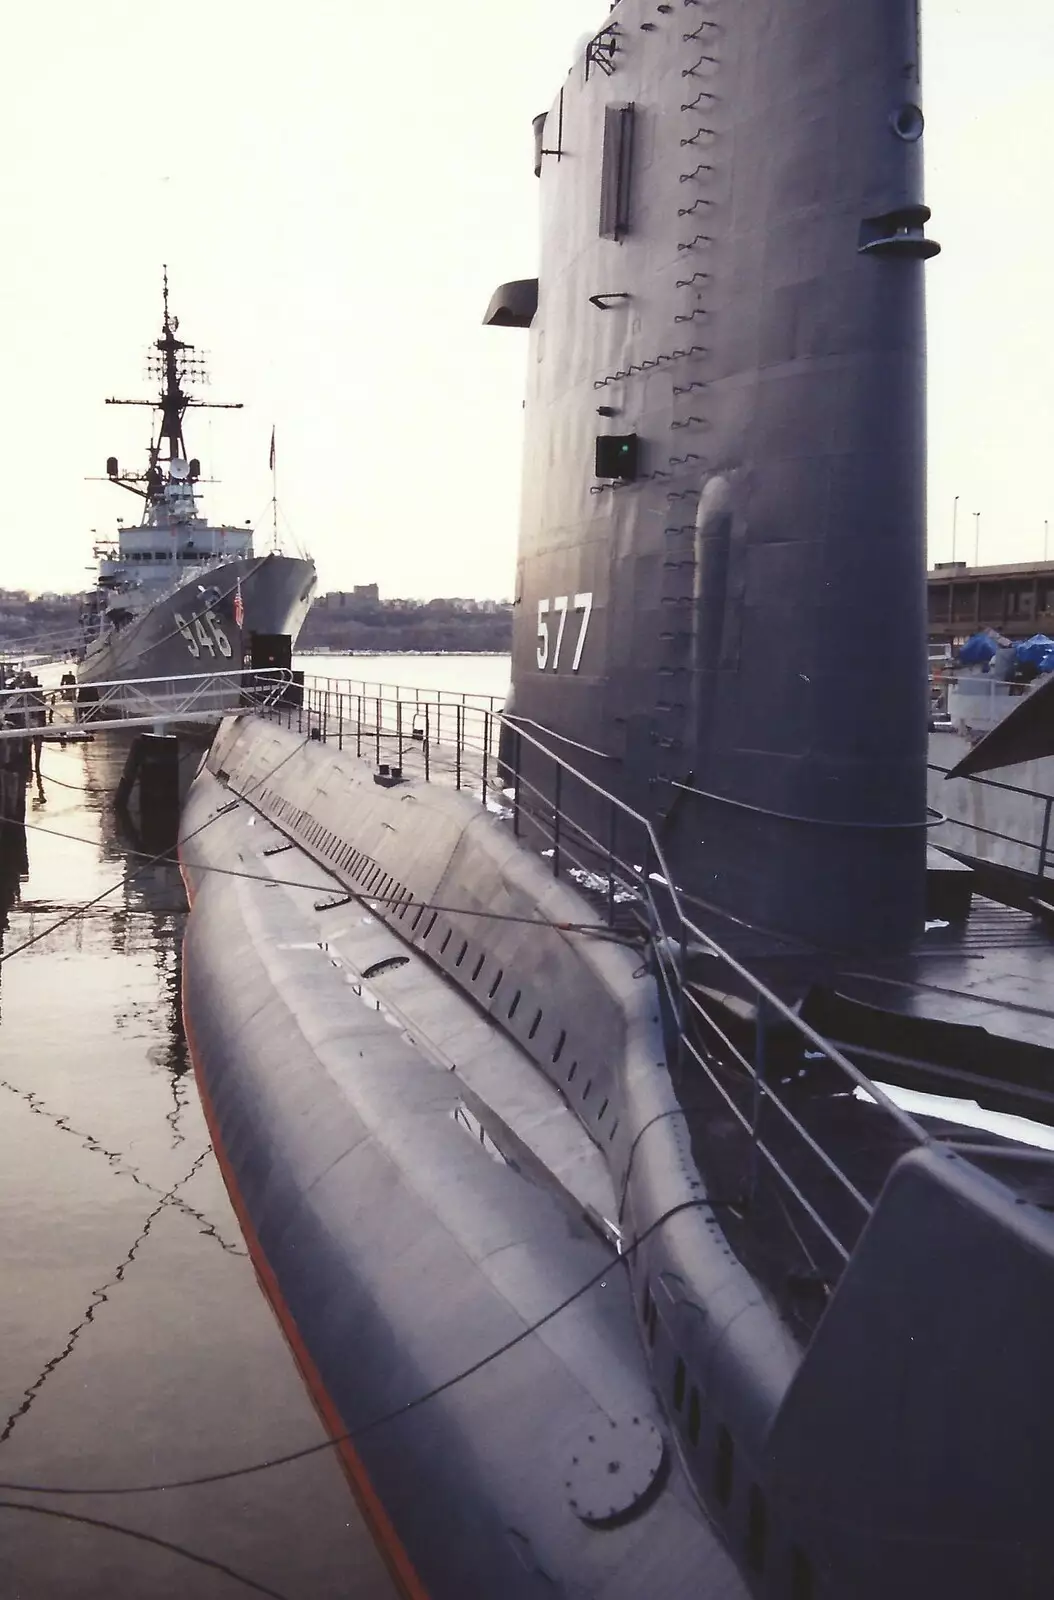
(337,187)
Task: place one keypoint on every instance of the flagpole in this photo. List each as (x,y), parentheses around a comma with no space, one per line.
(274,495)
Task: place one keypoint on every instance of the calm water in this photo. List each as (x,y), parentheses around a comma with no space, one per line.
(136,1345)
(473,675)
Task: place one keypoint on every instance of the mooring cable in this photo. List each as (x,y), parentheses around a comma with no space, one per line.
(128,877)
(385,1417)
(144,1538)
(586,929)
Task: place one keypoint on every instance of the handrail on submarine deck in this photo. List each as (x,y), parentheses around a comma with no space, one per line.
(621,871)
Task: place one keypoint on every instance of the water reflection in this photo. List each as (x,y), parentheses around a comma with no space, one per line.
(14,868)
(135,1340)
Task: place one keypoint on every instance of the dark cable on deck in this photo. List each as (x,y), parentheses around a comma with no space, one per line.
(595,930)
(387,1416)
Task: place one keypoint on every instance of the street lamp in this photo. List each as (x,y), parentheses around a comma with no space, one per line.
(955,520)
(976,536)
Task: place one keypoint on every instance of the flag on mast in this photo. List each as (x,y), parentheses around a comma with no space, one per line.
(239,609)
(271,460)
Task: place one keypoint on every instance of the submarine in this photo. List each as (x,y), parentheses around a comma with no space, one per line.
(598,1100)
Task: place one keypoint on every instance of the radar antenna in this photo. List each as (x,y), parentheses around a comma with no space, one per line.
(178,367)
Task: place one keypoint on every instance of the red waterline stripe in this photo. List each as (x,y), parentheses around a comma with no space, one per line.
(380,1524)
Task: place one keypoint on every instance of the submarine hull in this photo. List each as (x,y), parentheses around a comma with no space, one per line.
(371,973)
(400,1250)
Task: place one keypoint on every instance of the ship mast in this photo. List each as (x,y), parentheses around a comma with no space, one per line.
(274,495)
(177,365)
(172,372)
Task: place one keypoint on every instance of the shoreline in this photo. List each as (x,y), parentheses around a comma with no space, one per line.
(314,651)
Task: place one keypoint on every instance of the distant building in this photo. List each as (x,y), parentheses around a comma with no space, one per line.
(362,594)
(468,606)
(365,596)
(1016,599)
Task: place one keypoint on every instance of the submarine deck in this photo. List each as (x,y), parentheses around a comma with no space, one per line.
(955,1032)
(798,1131)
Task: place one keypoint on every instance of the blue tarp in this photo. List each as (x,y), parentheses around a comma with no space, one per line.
(1035,652)
(979,649)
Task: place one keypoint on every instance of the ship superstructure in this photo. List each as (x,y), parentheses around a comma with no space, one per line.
(176,592)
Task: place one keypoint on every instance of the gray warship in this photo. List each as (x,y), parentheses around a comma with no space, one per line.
(176,594)
(594,1107)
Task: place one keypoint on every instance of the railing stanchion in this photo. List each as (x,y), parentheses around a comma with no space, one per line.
(399,731)
(760,1042)
(1045,841)
(651,904)
(517,757)
(457,745)
(340,720)
(428,775)
(682,992)
(486,753)
(377,720)
(358,724)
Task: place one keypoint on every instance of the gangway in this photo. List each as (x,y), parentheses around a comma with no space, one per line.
(155,703)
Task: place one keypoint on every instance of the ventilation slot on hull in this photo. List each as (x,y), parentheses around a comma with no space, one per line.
(723,1466)
(757,1526)
(616,174)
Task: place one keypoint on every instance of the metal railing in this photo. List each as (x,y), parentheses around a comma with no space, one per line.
(1041,846)
(139,702)
(596,841)
(454,734)
(371,689)
(988,697)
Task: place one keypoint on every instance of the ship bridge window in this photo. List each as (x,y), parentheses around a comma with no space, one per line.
(616,172)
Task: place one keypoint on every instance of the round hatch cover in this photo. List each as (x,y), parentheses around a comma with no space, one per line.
(613,1468)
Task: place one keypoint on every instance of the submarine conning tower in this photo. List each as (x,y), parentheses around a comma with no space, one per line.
(721,574)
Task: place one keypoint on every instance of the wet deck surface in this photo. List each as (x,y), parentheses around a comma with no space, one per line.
(137,1346)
